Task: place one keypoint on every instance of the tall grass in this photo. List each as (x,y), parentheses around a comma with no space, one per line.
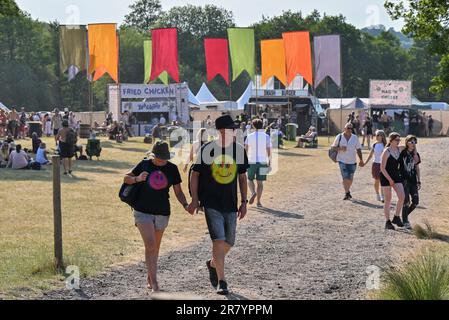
(424,277)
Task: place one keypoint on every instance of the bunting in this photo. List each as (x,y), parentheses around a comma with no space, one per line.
(243,51)
(148,54)
(298,55)
(327,59)
(72,52)
(273,60)
(103,50)
(217,58)
(165,53)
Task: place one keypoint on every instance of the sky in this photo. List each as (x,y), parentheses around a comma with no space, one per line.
(360,13)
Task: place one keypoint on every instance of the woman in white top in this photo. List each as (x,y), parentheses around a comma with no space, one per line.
(19,159)
(376,151)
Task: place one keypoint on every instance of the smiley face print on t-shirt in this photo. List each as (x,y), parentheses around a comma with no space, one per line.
(158,180)
(224,169)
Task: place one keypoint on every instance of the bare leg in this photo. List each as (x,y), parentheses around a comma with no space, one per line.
(259,191)
(399,188)
(387,204)
(219,251)
(347,184)
(65,165)
(377,186)
(149,238)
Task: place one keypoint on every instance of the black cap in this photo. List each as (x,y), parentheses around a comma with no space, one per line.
(225,122)
(161,151)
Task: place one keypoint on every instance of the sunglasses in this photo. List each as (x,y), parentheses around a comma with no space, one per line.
(413,142)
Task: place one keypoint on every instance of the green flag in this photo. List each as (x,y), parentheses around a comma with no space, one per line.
(73,45)
(148,53)
(243,51)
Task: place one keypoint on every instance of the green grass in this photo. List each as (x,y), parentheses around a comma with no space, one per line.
(423,277)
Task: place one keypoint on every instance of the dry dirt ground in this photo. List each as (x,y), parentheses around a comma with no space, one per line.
(306,244)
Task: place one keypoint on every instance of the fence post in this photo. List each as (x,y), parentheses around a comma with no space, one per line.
(57,215)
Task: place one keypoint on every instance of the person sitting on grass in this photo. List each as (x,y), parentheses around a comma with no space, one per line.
(19,159)
(42,155)
(310,136)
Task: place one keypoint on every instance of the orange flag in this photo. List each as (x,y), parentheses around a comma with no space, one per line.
(298,55)
(273,60)
(103,50)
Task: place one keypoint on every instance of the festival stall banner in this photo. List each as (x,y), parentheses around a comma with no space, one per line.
(243,51)
(165,53)
(73,49)
(327,52)
(390,93)
(273,60)
(151,91)
(148,54)
(298,55)
(217,58)
(103,50)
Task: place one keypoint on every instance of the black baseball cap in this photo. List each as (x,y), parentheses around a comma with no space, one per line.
(225,122)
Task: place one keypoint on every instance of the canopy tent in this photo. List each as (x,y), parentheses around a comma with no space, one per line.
(205,96)
(246,96)
(345,103)
(3,107)
(438,105)
(192,99)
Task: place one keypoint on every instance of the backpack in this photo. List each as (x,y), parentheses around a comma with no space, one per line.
(70,138)
(130,193)
(35,166)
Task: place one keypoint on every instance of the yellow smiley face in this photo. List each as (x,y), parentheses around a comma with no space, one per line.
(224,169)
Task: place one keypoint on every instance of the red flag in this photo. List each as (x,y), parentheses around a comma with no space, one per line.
(165,53)
(217,58)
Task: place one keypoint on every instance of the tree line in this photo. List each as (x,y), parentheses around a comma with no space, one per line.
(29,55)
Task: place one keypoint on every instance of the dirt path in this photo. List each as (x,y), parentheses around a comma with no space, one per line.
(308,245)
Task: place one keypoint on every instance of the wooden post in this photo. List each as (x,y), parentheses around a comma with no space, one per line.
(57,216)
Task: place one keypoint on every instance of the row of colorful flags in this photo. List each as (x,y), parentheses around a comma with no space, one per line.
(95,48)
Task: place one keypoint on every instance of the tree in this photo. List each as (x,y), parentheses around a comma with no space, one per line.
(143,15)
(9,8)
(427,20)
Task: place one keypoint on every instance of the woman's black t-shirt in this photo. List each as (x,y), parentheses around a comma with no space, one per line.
(408,165)
(154,194)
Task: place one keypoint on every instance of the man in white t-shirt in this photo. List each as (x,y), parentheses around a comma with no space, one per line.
(258,147)
(348,146)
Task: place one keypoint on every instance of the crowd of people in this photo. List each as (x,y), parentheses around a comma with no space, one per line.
(365,126)
(394,168)
(15,126)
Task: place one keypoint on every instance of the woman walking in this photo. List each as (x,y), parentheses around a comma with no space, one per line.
(152,210)
(409,162)
(391,178)
(201,140)
(376,152)
(367,132)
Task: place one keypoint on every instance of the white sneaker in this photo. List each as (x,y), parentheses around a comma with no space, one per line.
(379,198)
(408,226)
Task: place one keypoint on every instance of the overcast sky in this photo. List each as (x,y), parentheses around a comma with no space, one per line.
(360,13)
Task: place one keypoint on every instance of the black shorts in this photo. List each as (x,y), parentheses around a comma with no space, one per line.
(385,183)
(66,151)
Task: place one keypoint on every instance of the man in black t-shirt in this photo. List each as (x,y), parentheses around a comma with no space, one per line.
(220,165)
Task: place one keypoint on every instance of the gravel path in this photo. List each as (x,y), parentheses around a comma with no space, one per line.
(308,245)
